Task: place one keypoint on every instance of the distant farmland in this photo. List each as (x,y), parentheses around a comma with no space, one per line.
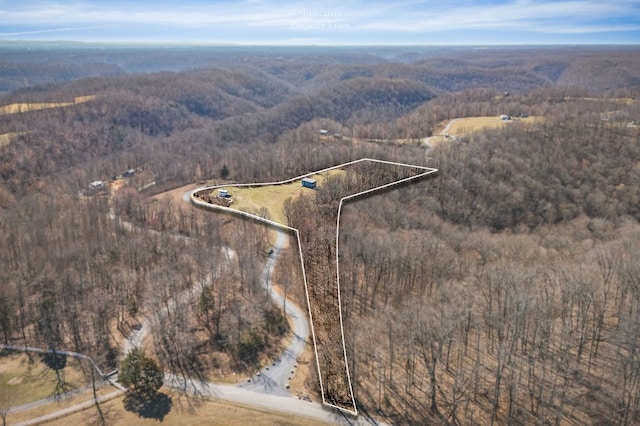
(5,138)
(27,107)
(467,125)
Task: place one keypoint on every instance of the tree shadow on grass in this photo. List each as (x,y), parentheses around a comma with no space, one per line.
(156,406)
(188,405)
(55,361)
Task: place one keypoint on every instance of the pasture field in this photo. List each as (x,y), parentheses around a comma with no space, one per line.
(468,125)
(5,138)
(271,197)
(34,380)
(26,107)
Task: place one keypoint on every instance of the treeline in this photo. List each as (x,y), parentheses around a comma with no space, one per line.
(452,326)
(549,102)
(448,326)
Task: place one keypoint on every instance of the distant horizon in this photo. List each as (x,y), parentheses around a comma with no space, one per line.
(332,23)
(170,43)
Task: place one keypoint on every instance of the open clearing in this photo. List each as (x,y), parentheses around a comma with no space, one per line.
(6,138)
(626,101)
(272,197)
(467,125)
(26,107)
(190,413)
(32,381)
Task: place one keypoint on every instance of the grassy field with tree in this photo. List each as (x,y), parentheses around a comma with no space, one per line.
(31,379)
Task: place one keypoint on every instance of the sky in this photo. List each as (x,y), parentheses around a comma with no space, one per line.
(346,22)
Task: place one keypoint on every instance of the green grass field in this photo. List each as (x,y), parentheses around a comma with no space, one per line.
(271,197)
(467,125)
(32,381)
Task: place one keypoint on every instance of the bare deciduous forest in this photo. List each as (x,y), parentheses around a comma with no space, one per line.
(505,291)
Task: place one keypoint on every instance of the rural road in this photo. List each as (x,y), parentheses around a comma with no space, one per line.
(267,389)
(273,379)
(447,127)
(279,403)
(428,140)
(69,410)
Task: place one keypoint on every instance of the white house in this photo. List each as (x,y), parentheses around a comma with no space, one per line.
(96,184)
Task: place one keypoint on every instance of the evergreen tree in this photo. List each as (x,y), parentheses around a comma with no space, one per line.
(140,374)
(224,172)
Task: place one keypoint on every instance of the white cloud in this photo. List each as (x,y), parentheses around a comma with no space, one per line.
(52,30)
(245,13)
(262,17)
(523,15)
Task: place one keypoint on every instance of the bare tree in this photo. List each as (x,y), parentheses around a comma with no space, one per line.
(7,399)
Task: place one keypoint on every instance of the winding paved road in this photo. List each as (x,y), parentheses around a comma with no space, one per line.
(274,379)
(267,389)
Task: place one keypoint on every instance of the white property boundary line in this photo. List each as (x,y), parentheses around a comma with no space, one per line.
(428,172)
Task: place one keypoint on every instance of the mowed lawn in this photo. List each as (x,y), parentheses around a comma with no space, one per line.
(32,381)
(190,413)
(467,125)
(272,197)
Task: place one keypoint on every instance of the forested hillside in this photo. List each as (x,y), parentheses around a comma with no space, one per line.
(503,291)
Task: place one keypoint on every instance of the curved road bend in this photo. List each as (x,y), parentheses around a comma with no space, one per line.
(276,403)
(268,387)
(266,390)
(274,378)
(135,338)
(444,131)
